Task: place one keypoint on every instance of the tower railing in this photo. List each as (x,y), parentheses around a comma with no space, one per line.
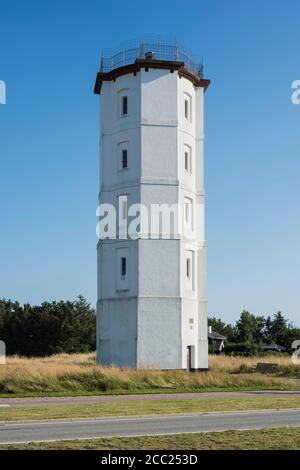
(155,50)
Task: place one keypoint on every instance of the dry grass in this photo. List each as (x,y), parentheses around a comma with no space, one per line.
(236,363)
(77,373)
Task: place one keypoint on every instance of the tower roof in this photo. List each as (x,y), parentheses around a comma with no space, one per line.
(154,54)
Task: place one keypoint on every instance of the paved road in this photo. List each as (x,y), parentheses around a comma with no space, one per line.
(87,428)
(88,400)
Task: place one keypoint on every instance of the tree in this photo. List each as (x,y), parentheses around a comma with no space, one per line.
(251,331)
(279,331)
(277,328)
(49,328)
(249,328)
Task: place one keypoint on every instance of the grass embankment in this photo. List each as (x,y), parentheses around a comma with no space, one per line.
(240,364)
(153,407)
(77,375)
(267,439)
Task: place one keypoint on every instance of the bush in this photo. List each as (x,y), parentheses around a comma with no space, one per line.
(243,349)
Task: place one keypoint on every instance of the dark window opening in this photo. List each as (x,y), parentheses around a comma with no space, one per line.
(188,267)
(124,158)
(124,105)
(186,161)
(123,266)
(186,109)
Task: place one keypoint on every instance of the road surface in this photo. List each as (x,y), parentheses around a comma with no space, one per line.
(92,428)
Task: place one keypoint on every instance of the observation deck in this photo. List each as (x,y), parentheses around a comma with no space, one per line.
(154,54)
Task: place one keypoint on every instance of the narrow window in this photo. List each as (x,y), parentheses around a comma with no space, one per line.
(124,158)
(188,268)
(123,266)
(187,158)
(124,105)
(186,109)
(190,263)
(187,212)
(122,269)
(123,207)
(186,161)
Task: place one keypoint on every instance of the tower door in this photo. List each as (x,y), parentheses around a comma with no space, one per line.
(189,358)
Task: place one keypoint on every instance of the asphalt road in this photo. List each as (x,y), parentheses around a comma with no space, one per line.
(93,428)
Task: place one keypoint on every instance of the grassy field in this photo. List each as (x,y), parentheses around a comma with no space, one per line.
(268,439)
(153,407)
(77,375)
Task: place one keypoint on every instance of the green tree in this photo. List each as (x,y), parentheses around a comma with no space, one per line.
(48,328)
(278,330)
(249,328)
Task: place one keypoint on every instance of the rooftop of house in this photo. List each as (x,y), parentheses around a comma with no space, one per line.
(214,335)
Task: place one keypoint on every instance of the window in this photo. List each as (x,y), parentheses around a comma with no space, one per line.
(188,212)
(123,266)
(122,207)
(122,102)
(122,155)
(122,216)
(122,269)
(124,159)
(188,159)
(124,105)
(190,274)
(188,268)
(187,107)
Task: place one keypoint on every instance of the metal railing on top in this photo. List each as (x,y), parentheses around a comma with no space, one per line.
(156,50)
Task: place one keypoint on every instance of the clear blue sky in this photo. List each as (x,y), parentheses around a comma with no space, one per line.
(49,55)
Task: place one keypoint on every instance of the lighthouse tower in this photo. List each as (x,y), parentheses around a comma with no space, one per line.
(151,309)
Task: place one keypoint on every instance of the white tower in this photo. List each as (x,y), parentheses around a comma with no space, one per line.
(151,309)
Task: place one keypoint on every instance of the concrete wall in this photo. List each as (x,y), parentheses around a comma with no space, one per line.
(159,333)
(117,332)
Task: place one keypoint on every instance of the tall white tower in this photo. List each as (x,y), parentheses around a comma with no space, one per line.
(151,309)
